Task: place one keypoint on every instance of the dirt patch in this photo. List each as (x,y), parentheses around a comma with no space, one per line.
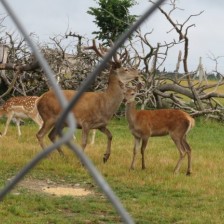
(60,191)
(53,188)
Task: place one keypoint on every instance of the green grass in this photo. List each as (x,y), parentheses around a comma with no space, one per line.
(153,195)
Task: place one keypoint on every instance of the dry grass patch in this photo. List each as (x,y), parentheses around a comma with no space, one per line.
(53,188)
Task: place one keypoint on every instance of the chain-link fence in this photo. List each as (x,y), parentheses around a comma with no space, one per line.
(66,138)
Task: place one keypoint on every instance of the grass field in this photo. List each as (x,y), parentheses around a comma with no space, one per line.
(153,195)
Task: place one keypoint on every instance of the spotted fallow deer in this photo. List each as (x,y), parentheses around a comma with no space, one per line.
(150,123)
(93,110)
(18,108)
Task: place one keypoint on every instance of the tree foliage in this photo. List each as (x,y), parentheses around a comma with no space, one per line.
(112,17)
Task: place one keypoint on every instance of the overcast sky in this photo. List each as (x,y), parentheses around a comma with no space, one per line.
(51,17)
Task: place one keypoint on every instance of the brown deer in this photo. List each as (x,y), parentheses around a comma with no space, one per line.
(93,110)
(149,123)
(18,108)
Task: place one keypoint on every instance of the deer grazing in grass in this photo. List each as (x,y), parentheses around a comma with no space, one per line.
(18,108)
(93,110)
(149,123)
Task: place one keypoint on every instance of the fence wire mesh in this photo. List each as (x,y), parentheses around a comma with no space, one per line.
(66,138)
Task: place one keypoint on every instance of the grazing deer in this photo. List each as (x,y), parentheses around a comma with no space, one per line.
(93,110)
(149,123)
(18,108)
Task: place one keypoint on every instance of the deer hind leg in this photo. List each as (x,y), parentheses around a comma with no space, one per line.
(180,147)
(43,131)
(85,133)
(52,136)
(188,151)
(17,120)
(136,145)
(109,140)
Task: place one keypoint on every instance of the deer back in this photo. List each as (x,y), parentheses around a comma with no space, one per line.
(160,122)
(26,102)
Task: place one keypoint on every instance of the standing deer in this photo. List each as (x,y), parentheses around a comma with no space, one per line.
(149,123)
(18,108)
(93,110)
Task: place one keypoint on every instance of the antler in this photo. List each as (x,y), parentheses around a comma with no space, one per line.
(101,51)
(123,57)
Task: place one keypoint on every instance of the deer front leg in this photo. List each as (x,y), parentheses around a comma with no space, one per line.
(144,144)
(85,133)
(93,137)
(37,119)
(136,144)
(52,136)
(18,126)
(9,118)
(109,140)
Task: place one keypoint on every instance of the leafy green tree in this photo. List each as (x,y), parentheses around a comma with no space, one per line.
(112,17)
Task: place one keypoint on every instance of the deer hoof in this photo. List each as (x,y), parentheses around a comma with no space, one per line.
(188,173)
(106,157)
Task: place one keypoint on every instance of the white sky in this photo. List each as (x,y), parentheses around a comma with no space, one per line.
(47,18)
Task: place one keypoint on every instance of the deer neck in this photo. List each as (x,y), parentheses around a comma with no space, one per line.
(130,111)
(114,92)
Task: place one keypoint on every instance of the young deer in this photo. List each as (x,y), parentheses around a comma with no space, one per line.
(149,123)
(93,110)
(18,108)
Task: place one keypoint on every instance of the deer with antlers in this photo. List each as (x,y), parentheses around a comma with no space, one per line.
(150,123)
(18,108)
(93,110)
